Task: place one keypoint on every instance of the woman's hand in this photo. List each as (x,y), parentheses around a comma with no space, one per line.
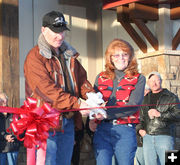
(99,116)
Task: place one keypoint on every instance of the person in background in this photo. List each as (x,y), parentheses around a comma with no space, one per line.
(79,134)
(139,157)
(54,75)
(121,85)
(157,121)
(9,145)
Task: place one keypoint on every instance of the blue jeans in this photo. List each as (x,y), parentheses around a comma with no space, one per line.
(117,140)
(154,147)
(60,147)
(139,156)
(10,157)
(3,158)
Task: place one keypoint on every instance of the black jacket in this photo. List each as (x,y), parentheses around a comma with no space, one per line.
(138,136)
(4,145)
(170,113)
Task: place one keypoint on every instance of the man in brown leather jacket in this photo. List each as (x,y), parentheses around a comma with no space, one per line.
(54,75)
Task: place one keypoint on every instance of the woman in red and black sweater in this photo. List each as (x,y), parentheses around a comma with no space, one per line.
(121,85)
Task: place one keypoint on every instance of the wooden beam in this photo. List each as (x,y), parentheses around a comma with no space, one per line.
(9,52)
(123,18)
(122,14)
(135,36)
(176,40)
(139,11)
(79,3)
(175,13)
(147,33)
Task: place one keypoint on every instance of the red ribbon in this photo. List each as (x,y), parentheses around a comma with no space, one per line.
(31,125)
(34,123)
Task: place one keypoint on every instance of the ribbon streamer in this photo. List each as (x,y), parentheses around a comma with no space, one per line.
(31,125)
(115,106)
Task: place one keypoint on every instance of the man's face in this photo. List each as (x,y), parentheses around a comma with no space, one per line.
(54,39)
(155,84)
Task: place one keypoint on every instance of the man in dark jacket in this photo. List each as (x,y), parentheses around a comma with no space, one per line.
(9,145)
(157,121)
(139,158)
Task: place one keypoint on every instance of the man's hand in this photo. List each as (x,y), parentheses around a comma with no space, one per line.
(84,113)
(142,132)
(153,113)
(92,125)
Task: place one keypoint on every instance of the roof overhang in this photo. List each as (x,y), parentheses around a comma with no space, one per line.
(139,12)
(107,4)
(113,4)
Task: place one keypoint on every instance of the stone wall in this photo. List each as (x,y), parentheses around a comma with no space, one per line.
(167,63)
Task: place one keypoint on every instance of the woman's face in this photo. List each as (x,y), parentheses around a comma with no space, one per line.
(120,59)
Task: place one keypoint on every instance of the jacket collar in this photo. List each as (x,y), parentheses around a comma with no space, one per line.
(164,92)
(45,48)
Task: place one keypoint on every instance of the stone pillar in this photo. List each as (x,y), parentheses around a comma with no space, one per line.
(165,61)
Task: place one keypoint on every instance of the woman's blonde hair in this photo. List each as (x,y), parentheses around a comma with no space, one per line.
(131,69)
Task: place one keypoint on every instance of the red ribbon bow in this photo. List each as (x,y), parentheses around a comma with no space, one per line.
(33,126)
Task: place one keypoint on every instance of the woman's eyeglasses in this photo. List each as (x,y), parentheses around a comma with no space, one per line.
(124,55)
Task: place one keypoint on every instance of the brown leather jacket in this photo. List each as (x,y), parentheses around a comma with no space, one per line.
(44,81)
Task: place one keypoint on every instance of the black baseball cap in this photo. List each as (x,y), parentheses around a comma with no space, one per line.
(55,21)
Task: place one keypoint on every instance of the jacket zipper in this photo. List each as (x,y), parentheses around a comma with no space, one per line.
(60,73)
(158,101)
(55,77)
